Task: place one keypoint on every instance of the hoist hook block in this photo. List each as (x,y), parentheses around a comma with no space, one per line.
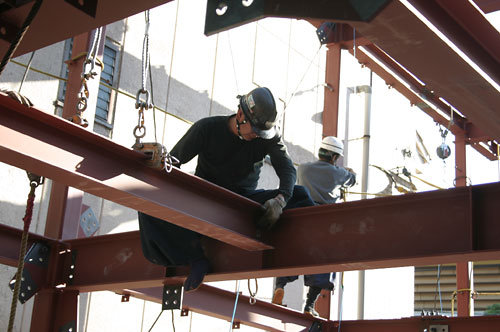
(154,152)
(172,297)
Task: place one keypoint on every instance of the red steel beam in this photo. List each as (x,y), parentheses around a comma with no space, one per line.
(10,243)
(58,20)
(428,228)
(399,33)
(64,152)
(488,6)
(467,28)
(218,303)
(421,97)
(456,324)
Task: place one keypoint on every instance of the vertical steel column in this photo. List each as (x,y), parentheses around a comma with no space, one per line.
(332,84)
(462,268)
(330,128)
(54,309)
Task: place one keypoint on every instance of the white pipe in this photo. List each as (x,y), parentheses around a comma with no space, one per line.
(367,91)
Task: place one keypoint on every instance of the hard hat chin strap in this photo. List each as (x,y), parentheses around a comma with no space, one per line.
(238,124)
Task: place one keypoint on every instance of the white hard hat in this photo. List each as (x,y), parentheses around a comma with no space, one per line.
(332,143)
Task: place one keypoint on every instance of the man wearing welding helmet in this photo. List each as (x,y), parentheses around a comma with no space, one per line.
(231,151)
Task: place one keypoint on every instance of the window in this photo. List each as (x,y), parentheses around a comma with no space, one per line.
(104,97)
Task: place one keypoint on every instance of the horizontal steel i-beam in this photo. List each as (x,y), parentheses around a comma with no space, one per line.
(437,227)
(219,303)
(62,151)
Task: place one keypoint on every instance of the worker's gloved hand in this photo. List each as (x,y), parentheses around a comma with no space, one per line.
(272,211)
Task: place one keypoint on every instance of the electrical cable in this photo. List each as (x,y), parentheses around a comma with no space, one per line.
(235,304)
(20,34)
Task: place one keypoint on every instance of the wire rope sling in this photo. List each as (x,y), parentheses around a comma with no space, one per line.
(159,157)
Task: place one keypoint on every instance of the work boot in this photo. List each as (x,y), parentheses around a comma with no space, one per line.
(312,296)
(279,293)
(199,268)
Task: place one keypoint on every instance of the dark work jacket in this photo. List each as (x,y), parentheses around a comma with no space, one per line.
(230,162)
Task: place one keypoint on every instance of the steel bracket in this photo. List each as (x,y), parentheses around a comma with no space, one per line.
(172,297)
(36,264)
(69,327)
(88,222)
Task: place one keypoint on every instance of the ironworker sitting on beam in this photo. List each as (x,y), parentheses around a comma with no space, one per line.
(231,151)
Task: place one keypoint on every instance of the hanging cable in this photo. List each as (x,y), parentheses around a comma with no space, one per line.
(235,304)
(28,66)
(160,158)
(438,290)
(170,70)
(35,181)
(302,78)
(341,299)
(154,323)
(234,66)
(173,323)
(20,34)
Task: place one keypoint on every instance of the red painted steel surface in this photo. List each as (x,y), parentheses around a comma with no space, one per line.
(219,303)
(56,309)
(408,41)
(419,96)
(57,20)
(488,6)
(332,88)
(436,227)
(64,152)
(10,243)
(414,324)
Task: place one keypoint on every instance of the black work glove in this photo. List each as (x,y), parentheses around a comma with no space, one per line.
(272,211)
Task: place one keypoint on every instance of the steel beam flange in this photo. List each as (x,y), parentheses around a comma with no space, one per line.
(223,15)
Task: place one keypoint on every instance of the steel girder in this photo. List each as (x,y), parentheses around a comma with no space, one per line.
(58,20)
(218,303)
(419,96)
(57,149)
(418,229)
(406,39)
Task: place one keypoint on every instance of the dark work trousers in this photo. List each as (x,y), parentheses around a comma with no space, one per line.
(167,244)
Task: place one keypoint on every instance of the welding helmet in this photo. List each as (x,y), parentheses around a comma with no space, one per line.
(259,109)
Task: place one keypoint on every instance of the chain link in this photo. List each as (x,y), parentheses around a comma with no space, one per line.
(88,72)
